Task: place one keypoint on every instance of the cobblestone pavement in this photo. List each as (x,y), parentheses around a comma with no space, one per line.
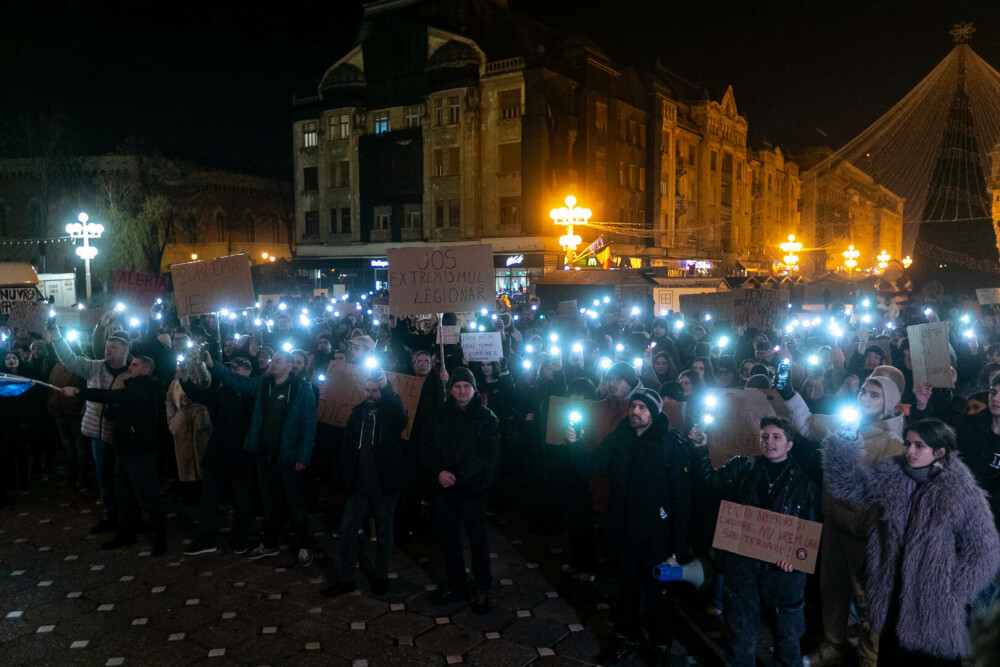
(64,601)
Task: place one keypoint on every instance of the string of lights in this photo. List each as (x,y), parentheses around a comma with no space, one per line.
(55,239)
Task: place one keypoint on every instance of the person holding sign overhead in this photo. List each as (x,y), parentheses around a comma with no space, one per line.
(775,483)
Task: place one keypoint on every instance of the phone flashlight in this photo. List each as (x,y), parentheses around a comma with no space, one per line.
(553,337)
(604,363)
(321,378)
(678,324)
(180,358)
(928,312)
(526,364)
(723,341)
(286,346)
(555,351)
(529,348)
(637,362)
(133,321)
(52,312)
(72,336)
(969,333)
(237,336)
(190,345)
(159,301)
(813,360)
(577,348)
(619,348)
(850,422)
(574,422)
(708,318)
(965,318)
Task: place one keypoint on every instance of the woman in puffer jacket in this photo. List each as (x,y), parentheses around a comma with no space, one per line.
(931,548)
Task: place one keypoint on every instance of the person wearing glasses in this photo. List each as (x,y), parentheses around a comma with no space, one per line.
(225,461)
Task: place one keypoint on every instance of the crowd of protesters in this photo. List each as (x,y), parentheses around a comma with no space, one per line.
(905,477)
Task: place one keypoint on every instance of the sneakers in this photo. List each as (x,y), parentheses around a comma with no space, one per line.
(446,596)
(198,547)
(713,610)
(481,602)
(103,526)
(584,576)
(829,654)
(305,558)
(380,586)
(617,651)
(122,539)
(239,548)
(343,588)
(261,551)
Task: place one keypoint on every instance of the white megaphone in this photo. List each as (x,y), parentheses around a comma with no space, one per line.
(670,570)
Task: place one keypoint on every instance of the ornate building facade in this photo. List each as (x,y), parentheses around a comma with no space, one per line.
(460,121)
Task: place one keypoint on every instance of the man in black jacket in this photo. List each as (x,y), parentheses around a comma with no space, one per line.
(459,451)
(225,460)
(137,485)
(649,508)
(373,470)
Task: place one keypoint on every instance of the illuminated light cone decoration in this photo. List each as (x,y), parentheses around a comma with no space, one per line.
(851,258)
(907,261)
(883,260)
(790,248)
(568,216)
(86,230)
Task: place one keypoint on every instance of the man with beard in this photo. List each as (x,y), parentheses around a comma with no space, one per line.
(374,471)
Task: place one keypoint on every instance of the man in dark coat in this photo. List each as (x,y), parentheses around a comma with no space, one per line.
(225,460)
(649,508)
(373,470)
(132,409)
(459,452)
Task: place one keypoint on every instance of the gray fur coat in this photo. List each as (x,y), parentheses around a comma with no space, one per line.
(948,554)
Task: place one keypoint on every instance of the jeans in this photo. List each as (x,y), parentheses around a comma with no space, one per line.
(104,467)
(68,427)
(453,507)
(208,509)
(355,510)
(751,585)
(636,559)
(282,482)
(138,487)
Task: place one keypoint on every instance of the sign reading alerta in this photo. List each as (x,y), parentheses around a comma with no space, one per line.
(441,279)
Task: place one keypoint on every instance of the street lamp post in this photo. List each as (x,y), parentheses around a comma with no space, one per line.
(883,260)
(85,230)
(790,248)
(568,216)
(851,258)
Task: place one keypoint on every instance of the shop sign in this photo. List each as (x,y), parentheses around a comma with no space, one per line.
(380,263)
(514,260)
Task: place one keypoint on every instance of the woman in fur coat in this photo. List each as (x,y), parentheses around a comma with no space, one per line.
(932,545)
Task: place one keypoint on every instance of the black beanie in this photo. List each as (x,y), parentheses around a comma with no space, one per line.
(649,397)
(461,374)
(623,371)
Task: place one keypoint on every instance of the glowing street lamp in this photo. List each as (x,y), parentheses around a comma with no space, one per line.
(85,230)
(907,261)
(883,260)
(851,258)
(790,248)
(568,216)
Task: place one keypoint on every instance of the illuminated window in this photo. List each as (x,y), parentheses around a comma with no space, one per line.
(413,115)
(310,136)
(381,122)
(601,117)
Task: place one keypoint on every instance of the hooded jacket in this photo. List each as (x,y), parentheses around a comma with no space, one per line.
(390,464)
(462,441)
(881,441)
(98,375)
(943,555)
(650,495)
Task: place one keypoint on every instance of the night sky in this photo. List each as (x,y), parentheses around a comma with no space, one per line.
(216,85)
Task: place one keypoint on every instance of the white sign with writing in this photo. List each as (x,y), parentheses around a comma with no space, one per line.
(482,346)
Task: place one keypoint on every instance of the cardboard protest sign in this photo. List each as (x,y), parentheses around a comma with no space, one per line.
(12,295)
(211,285)
(482,346)
(930,354)
(735,430)
(719,304)
(345,388)
(559,409)
(758,308)
(139,289)
(441,279)
(567,309)
(28,315)
(767,536)
(448,334)
(988,296)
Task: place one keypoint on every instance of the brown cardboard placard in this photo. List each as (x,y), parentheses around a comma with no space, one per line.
(768,536)
(441,279)
(988,295)
(345,388)
(758,308)
(930,354)
(211,285)
(139,289)
(28,315)
(449,334)
(735,430)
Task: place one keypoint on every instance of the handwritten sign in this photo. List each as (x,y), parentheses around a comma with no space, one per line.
(139,289)
(758,308)
(988,295)
(567,309)
(441,279)
(211,285)
(28,315)
(482,346)
(345,388)
(767,536)
(448,334)
(930,355)
(735,430)
(559,410)
(11,295)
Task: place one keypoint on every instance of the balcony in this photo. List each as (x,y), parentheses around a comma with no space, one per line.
(503,66)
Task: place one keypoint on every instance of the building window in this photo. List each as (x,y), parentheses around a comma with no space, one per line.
(382,218)
(310,137)
(439,214)
(382,122)
(454,212)
(510,211)
(276,231)
(446,161)
(344,173)
(453,110)
(510,103)
(621,174)
(631,176)
(691,155)
(312,223)
(642,136)
(345,220)
(220,227)
(642,179)
(333,220)
(35,218)
(631,132)
(343,127)
(713,160)
(439,111)
(663,188)
(601,167)
(601,117)
(510,158)
(413,217)
(310,179)
(727,163)
(413,115)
